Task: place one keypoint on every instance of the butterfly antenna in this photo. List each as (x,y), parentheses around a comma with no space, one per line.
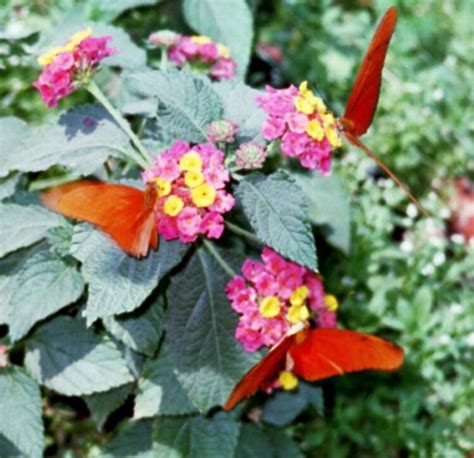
(355,141)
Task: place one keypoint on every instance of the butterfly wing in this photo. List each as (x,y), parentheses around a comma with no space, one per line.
(329,352)
(123,212)
(266,369)
(360,108)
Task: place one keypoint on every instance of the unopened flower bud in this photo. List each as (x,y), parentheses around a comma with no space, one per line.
(250,155)
(3,356)
(221,131)
(166,38)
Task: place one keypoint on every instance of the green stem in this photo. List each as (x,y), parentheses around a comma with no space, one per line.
(220,260)
(239,231)
(102,98)
(236,176)
(45,183)
(164,58)
(132,154)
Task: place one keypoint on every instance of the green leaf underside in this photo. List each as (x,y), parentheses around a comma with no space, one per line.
(276,209)
(329,206)
(189,437)
(141,331)
(101,405)
(11,130)
(187,102)
(20,413)
(159,392)
(239,106)
(72,360)
(21,226)
(44,285)
(8,185)
(228,22)
(201,326)
(134,440)
(119,283)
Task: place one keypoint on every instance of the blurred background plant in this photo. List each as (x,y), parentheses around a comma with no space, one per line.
(405,276)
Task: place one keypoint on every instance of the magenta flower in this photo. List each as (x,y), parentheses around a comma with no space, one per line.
(273,295)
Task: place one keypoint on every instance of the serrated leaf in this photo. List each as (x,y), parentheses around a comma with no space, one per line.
(140,330)
(189,437)
(45,284)
(21,226)
(239,106)
(187,101)
(101,405)
(253,442)
(134,440)
(119,283)
(12,130)
(201,326)
(72,360)
(228,22)
(81,139)
(20,407)
(329,207)
(276,209)
(159,392)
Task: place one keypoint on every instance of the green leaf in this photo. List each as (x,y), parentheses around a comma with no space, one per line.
(8,185)
(72,360)
(253,442)
(140,330)
(110,9)
(201,326)
(189,437)
(159,392)
(21,226)
(228,22)
(329,206)
(119,283)
(187,101)
(20,407)
(12,130)
(101,405)
(134,440)
(44,285)
(283,446)
(276,209)
(240,107)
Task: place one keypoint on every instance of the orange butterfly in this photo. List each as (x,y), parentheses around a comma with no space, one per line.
(315,354)
(363,99)
(125,213)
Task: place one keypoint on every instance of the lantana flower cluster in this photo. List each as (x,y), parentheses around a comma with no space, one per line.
(67,67)
(202,53)
(273,295)
(302,123)
(190,182)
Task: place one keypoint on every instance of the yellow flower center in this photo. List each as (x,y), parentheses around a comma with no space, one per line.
(315,130)
(173,205)
(193,179)
(201,39)
(288,380)
(191,161)
(331,301)
(203,195)
(270,307)
(297,313)
(163,187)
(299,295)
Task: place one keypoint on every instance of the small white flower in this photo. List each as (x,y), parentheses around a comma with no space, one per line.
(444,339)
(412,211)
(438,94)
(437,242)
(470,339)
(439,258)
(428,270)
(445,213)
(407,246)
(456,309)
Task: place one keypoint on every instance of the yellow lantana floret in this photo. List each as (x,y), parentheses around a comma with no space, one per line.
(270,307)
(299,295)
(191,161)
(303,105)
(288,380)
(203,195)
(77,38)
(331,301)
(201,39)
(49,56)
(333,137)
(193,179)
(315,130)
(173,205)
(163,187)
(223,51)
(297,313)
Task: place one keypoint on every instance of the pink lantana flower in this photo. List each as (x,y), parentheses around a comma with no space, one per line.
(68,67)
(302,123)
(190,182)
(274,294)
